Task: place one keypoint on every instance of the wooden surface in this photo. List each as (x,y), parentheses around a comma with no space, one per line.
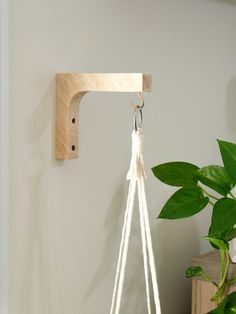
(71,87)
(202,291)
(210,262)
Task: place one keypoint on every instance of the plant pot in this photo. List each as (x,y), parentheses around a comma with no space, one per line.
(202,291)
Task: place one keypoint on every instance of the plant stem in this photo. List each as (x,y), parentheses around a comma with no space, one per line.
(231,282)
(222,263)
(225,262)
(210,202)
(208,194)
(209,279)
(227,266)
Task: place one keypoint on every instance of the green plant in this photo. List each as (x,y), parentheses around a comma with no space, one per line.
(199,187)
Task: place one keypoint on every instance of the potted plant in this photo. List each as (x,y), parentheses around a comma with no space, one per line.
(198,187)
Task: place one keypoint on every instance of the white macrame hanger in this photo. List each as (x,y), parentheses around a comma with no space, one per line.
(136,175)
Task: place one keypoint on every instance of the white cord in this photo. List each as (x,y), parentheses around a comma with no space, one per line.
(149,247)
(145,253)
(124,233)
(136,175)
(124,250)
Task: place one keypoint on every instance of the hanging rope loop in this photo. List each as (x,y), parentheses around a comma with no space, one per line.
(138,113)
(136,175)
(138,118)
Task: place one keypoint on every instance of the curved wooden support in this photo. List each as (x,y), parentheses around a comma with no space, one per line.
(71,87)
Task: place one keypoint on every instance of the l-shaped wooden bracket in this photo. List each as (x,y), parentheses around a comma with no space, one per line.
(71,87)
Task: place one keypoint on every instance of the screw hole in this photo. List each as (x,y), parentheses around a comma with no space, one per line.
(73,120)
(73,147)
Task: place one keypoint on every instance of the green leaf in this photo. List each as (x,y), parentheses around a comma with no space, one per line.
(216,178)
(228,154)
(223,218)
(230,234)
(227,306)
(176,173)
(218,242)
(194,271)
(184,203)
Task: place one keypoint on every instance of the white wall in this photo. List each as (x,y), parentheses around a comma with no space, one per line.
(66,217)
(4,71)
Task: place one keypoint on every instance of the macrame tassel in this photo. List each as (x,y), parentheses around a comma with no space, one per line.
(137,165)
(136,175)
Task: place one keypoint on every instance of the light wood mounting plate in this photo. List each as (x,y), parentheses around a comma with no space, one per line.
(71,87)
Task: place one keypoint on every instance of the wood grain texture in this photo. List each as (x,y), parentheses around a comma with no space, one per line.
(202,291)
(210,262)
(71,87)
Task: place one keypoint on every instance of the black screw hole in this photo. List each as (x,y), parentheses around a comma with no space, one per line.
(73,147)
(73,120)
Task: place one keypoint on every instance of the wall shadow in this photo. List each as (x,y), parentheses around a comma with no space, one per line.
(230,100)
(42,116)
(38,272)
(112,224)
(175,244)
(35,260)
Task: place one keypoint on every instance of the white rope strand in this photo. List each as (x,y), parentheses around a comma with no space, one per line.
(145,255)
(149,246)
(125,249)
(121,247)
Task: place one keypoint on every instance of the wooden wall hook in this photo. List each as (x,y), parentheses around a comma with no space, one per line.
(71,87)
